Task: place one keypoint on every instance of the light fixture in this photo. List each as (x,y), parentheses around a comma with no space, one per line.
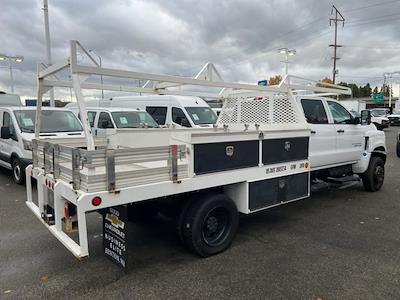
(286,52)
(18,59)
(283,50)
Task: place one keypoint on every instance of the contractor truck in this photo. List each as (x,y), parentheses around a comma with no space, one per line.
(265,149)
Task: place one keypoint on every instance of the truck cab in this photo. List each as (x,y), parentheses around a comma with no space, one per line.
(340,145)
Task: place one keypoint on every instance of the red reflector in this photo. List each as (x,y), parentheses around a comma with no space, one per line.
(96,201)
(174,150)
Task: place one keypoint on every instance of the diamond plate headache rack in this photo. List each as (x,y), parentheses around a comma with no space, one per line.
(207,78)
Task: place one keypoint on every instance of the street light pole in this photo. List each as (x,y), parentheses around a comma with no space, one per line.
(17,59)
(11,77)
(101,76)
(286,52)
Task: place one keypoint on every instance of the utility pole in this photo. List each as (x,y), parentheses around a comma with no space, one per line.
(338,18)
(48,48)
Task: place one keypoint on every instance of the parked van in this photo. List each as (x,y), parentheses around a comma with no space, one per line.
(18,131)
(105,121)
(166,110)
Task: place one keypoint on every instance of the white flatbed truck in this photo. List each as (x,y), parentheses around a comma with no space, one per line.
(255,157)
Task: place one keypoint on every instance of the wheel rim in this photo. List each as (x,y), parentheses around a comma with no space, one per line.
(17,172)
(379,175)
(215,227)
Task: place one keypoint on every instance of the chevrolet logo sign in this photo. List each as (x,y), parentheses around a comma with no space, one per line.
(114,220)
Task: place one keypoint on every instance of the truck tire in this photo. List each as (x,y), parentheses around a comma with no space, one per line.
(374,176)
(210,224)
(398,148)
(18,171)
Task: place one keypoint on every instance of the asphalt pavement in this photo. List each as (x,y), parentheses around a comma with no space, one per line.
(338,244)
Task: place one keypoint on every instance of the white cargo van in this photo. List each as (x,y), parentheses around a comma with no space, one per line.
(166,110)
(17,133)
(104,121)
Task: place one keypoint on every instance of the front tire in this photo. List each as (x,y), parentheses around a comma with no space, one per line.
(374,176)
(210,224)
(18,171)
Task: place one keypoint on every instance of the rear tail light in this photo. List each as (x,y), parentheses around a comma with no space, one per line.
(49,184)
(96,201)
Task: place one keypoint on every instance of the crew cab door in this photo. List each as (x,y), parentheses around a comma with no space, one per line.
(322,147)
(349,136)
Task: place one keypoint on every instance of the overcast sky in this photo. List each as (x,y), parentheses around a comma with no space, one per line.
(179,36)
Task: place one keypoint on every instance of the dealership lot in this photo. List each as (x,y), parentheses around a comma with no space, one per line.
(340,243)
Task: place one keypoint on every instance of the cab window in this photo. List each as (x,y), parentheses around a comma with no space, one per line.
(340,115)
(159,113)
(105,121)
(314,111)
(178,117)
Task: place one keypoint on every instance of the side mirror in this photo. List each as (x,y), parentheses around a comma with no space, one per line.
(5,133)
(365,117)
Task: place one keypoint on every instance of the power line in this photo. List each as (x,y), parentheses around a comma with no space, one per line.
(273,49)
(288,33)
(369,6)
(373,22)
(374,18)
(374,47)
(300,28)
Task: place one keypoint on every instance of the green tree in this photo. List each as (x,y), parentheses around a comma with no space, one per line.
(275,80)
(385,90)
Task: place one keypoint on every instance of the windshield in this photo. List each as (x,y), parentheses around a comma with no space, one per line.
(378,113)
(133,119)
(51,121)
(202,115)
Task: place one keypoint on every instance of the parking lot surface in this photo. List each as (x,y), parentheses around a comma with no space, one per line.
(338,244)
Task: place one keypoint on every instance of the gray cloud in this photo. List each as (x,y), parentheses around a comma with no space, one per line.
(178,37)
